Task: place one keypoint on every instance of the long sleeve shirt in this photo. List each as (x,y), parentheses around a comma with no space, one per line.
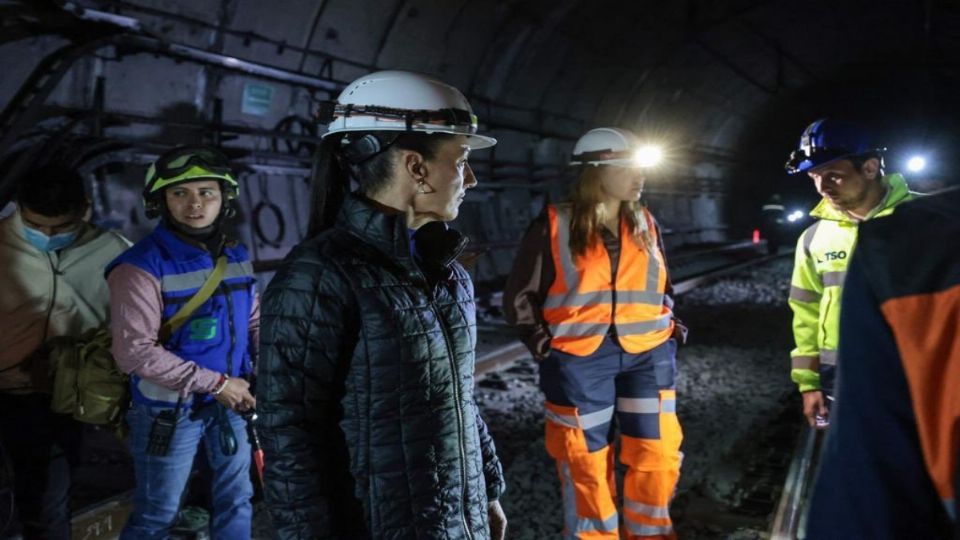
(135,308)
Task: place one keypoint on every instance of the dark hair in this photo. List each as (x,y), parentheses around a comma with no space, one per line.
(859,160)
(52,190)
(336,163)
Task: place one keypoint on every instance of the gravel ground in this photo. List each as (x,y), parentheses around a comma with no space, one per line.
(735,402)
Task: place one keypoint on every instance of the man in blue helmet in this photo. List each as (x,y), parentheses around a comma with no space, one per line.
(847,172)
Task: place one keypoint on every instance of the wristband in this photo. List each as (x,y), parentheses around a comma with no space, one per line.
(221,385)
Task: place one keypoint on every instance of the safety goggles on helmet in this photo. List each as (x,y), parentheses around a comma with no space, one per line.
(187,164)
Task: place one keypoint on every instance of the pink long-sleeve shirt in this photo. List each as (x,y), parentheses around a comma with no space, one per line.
(136,305)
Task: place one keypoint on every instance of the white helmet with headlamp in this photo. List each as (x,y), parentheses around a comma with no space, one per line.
(613,146)
(402,101)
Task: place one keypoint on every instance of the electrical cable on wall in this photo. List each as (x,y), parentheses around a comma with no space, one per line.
(266,204)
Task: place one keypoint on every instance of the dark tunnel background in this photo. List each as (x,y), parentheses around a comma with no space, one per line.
(725,86)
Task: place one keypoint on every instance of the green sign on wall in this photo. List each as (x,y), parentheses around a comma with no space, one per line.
(257,99)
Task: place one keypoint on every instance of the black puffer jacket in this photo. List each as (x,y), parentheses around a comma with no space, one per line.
(365,387)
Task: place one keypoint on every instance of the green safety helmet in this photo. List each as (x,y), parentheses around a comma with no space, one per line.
(187,164)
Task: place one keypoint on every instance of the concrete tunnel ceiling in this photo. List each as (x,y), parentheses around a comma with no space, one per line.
(731,80)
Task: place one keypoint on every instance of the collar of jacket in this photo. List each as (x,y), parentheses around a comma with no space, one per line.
(180,243)
(897,192)
(436,243)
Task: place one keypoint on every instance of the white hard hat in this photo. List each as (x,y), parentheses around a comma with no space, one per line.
(405,101)
(606,146)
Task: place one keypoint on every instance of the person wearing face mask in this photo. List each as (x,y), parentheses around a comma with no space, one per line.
(366,405)
(591,295)
(48,254)
(188,386)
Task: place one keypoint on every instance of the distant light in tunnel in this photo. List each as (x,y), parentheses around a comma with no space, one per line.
(916,163)
(795,216)
(648,156)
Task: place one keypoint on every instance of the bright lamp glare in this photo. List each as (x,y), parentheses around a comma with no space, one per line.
(916,164)
(794,216)
(648,156)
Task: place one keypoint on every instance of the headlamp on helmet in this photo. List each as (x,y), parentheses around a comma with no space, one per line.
(828,140)
(402,101)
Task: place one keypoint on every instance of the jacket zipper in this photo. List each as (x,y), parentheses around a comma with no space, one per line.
(53,297)
(456,392)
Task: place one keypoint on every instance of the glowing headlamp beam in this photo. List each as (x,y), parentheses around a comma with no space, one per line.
(648,156)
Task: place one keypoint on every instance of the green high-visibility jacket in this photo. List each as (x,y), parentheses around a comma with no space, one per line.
(820,266)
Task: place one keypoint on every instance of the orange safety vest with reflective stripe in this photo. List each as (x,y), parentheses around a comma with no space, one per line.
(582,303)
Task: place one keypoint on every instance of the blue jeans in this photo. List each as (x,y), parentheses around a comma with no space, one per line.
(161,479)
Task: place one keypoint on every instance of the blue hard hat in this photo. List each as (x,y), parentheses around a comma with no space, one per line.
(828,140)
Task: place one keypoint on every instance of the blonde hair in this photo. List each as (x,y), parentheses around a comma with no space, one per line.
(589,213)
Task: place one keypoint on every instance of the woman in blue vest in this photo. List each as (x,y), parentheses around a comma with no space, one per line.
(187,386)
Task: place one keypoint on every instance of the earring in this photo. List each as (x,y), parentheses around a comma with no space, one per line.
(420,189)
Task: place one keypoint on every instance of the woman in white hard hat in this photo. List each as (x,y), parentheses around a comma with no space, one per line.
(365,380)
(591,293)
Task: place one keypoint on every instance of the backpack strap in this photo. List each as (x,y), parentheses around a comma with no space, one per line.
(206,291)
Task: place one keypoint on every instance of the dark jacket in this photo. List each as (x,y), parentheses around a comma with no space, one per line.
(365,386)
(888,468)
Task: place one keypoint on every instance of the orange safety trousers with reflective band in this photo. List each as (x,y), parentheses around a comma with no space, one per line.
(587,478)
(605,384)
(579,307)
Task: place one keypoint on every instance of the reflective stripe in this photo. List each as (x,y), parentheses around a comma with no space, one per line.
(951,507)
(578,299)
(195,279)
(804,362)
(808,237)
(594,419)
(653,264)
(575,524)
(834,279)
(639,405)
(156,392)
(651,298)
(828,357)
(658,512)
(643,327)
(772,207)
(669,406)
(580,329)
(570,274)
(562,419)
(803,295)
(569,502)
(597,525)
(648,530)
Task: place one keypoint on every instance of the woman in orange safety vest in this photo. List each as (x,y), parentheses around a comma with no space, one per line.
(591,292)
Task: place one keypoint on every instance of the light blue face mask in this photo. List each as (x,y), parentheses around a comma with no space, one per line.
(49,243)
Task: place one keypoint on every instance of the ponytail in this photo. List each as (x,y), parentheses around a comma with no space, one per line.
(329,183)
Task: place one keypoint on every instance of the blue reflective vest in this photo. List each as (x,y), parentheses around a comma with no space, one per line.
(216,335)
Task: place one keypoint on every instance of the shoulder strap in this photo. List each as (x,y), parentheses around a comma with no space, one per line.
(213,280)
